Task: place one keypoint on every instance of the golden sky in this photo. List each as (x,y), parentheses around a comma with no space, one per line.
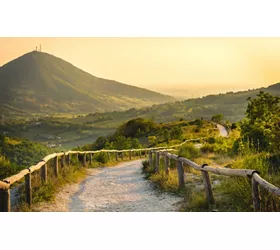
(161,62)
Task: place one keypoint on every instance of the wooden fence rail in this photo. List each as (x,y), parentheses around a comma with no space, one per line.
(256,180)
(158,152)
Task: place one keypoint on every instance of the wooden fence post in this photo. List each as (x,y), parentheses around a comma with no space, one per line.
(90,158)
(180,170)
(85,160)
(256,195)
(122,155)
(56,166)
(109,157)
(65,160)
(130,155)
(44,173)
(117,158)
(150,158)
(140,154)
(157,162)
(69,160)
(62,162)
(5,200)
(145,152)
(28,189)
(207,186)
(166,164)
(78,157)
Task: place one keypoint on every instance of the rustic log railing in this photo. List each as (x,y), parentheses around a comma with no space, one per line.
(65,158)
(256,180)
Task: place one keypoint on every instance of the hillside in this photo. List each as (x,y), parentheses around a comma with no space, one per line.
(232,105)
(42,83)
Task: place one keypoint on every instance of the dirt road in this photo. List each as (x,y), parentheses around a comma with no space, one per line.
(121,188)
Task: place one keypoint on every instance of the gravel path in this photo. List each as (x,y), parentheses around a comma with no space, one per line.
(223,131)
(120,188)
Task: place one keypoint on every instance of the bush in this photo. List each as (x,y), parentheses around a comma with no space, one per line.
(211,140)
(208,148)
(233,126)
(189,151)
(101,157)
(145,165)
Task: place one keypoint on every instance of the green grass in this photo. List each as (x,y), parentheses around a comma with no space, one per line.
(42,192)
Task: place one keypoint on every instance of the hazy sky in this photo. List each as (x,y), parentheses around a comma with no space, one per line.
(164,62)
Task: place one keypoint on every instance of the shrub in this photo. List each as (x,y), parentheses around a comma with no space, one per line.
(101,157)
(145,165)
(211,140)
(208,148)
(189,151)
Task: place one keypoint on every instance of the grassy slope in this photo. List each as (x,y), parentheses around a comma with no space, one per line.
(39,82)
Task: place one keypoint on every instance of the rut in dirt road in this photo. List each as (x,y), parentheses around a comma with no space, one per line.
(120,188)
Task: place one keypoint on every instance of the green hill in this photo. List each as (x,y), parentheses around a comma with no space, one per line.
(42,83)
(231,105)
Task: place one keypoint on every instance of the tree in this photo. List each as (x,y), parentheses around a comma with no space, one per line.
(217,118)
(262,123)
(99,143)
(135,127)
(135,143)
(233,126)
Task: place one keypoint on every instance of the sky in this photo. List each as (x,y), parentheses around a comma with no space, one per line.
(166,64)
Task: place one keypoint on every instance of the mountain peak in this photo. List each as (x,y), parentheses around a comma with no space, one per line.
(41,82)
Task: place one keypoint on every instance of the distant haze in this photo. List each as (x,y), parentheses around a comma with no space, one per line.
(182,67)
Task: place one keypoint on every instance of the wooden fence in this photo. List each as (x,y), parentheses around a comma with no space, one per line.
(253,175)
(59,160)
(152,153)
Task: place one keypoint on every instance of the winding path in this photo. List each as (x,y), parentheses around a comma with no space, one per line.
(223,131)
(121,188)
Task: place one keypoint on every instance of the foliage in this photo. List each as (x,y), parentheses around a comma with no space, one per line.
(236,191)
(101,158)
(17,154)
(136,127)
(217,118)
(189,151)
(166,135)
(262,123)
(7,168)
(152,139)
(176,132)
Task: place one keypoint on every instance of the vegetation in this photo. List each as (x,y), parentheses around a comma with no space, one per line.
(17,154)
(254,141)
(217,118)
(47,84)
(140,132)
(262,123)
(252,144)
(46,192)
